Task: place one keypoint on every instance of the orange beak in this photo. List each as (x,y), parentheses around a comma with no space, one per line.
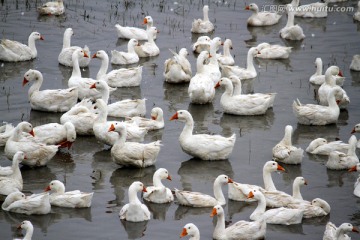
(355,230)
(183,233)
(247,8)
(41,37)
(213,213)
(93,86)
(353,131)
(144,189)
(65,144)
(47,189)
(145,21)
(85,55)
(94,56)
(217,85)
(169,177)
(153,117)
(111,128)
(32,133)
(19,227)
(210,55)
(175,116)
(337,102)
(230,180)
(251,194)
(353,169)
(340,73)
(158,31)
(222,43)
(25,157)
(280,168)
(305,182)
(25,81)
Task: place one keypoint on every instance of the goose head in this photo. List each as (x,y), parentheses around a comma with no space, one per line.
(26,127)
(216,42)
(348,227)
(356,128)
(191,230)
(31,75)
(316,143)
(13,197)
(183,52)
(133,42)
(300,181)
(69,32)
(36,36)
(25,225)
(100,85)
(252,7)
(228,43)
(101,54)
(19,156)
(151,32)
(223,179)
(333,71)
(55,186)
(226,82)
(322,204)
(255,194)
(148,20)
(263,45)
(79,53)
(217,210)
(355,168)
(181,115)
(137,187)
(70,133)
(162,173)
(272,166)
(318,62)
(157,114)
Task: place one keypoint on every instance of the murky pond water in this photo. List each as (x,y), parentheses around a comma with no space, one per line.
(334,39)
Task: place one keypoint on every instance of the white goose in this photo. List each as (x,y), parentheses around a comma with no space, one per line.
(134,32)
(226,58)
(37,154)
(338,233)
(155,123)
(201,89)
(37,204)
(241,230)
(355,63)
(321,146)
(123,77)
(81,117)
(177,69)
(159,193)
(56,134)
(212,68)
(29,230)
(50,100)
(65,56)
(354,130)
(260,19)
(10,177)
(202,25)
(268,51)
(52,8)
(312,10)
(291,31)
(312,114)
(13,51)
(339,161)
(72,199)
(5,132)
(356,16)
(283,216)
(149,48)
(123,108)
(191,230)
(357,183)
(201,44)
(243,73)
(128,57)
(329,84)
(197,199)
(135,211)
(318,78)
(132,153)
(244,104)
(203,146)
(101,126)
(285,152)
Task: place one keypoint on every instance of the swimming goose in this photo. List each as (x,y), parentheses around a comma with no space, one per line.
(159,193)
(13,51)
(340,161)
(201,88)
(285,152)
(52,8)
(241,230)
(50,100)
(312,114)
(65,56)
(133,153)
(56,134)
(338,233)
(149,48)
(134,32)
(29,230)
(128,57)
(321,146)
(203,146)
(197,199)
(260,19)
(135,211)
(155,123)
(177,69)
(10,177)
(37,204)
(226,58)
(291,31)
(357,183)
(191,230)
(123,77)
(272,51)
(318,78)
(71,199)
(202,25)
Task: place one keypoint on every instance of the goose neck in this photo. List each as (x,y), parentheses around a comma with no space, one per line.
(133,198)
(32,46)
(250,61)
(261,207)
(157,181)
(287,137)
(76,68)
(188,128)
(29,232)
(66,40)
(35,87)
(227,50)
(103,67)
(268,182)
(102,114)
(319,68)
(290,19)
(296,191)
(206,14)
(218,193)
(219,230)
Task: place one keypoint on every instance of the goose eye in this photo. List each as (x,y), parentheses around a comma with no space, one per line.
(23,195)
(189,227)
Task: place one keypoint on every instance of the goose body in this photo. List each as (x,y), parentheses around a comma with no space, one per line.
(201,88)
(268,51)
(135,211)
(134,32)
(56,134)
(155,123)
(321,146)
(13,51)
(36,204)
(226,58)
(132,153)
(203,146)
(65,56)
(128,57)
(260,19)
(285,152)
(339,161)
(52,8)
(177,69)
(243,104)
(54,100)
(312,114)
(318,78)
(202,25)
(159,193)
(5,132)
(197,199)
(242,73)
(338,233)
(149,48)
(71,199)
(292,31)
